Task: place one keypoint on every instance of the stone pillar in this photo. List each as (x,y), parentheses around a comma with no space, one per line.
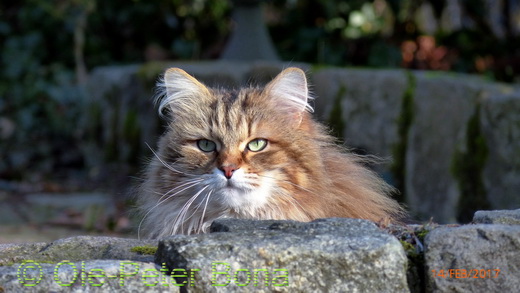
(250,39)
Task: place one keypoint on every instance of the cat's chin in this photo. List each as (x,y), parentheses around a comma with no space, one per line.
(243,198)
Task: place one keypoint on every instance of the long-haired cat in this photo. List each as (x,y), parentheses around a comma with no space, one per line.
(253,153)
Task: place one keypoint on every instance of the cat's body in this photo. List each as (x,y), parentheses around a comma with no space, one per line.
(253,154)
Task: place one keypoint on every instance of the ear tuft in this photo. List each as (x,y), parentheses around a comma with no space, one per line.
(290,92)
(177,90)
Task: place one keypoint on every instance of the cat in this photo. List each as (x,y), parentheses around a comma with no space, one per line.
(252,153)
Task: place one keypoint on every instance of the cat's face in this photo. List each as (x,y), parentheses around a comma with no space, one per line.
(244,149)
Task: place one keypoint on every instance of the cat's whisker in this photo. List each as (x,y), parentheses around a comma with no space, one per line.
(201,223)
(180,219)
(200,204)
(169,167)
(189,182)
(162,200)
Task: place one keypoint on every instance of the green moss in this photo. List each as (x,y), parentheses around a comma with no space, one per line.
(408,247)
(399,150)
(146,249)
(467,168)
(421,234)
(412,241)
(335,121)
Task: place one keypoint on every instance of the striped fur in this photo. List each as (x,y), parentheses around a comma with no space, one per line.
(301,174)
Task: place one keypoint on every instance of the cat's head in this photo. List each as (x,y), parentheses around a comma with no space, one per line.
(245,149)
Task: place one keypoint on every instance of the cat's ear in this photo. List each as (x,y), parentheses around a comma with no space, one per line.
(290,93)
(179,91)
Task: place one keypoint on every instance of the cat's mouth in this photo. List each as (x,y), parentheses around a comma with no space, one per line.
(230,184)
(234,185)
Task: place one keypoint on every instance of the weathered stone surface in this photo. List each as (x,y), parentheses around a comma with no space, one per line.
(329,255)
(443,105)
(85,276)
(506,217)
(467,259)
(370,104)
(75,249)
(12,253)
(233,225)
(501,128)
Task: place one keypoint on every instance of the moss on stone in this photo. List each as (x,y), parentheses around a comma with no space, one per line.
(399,150)
(467,166)
(412,240)
(335,121)
(408,248)
(146,249)
(421,234)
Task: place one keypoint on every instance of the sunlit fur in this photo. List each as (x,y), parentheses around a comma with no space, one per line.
(301,174)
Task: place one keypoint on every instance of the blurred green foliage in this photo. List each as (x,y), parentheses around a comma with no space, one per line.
(45,46)
(48,47)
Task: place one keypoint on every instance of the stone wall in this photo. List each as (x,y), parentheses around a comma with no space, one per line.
(326,255)
(451,143)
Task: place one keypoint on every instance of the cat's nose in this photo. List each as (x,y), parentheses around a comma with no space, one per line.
(228,170)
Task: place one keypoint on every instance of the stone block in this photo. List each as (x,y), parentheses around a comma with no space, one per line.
(85,276)
(473,258)
(500,123)
(75,249)
(363,105)
(443,107)
(329,255)
(506,217)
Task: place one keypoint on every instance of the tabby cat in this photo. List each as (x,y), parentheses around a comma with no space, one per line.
(252,153)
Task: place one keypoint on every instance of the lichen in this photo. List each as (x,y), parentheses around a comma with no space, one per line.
(467,166)
(399,150)
(145,250)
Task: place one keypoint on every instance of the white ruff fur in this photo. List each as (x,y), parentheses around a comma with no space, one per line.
(191,208)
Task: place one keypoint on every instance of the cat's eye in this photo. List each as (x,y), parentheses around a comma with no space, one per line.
(257,145)
(206,145)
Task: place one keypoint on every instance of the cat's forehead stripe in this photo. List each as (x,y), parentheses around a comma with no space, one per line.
(228,122)
(229,99)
